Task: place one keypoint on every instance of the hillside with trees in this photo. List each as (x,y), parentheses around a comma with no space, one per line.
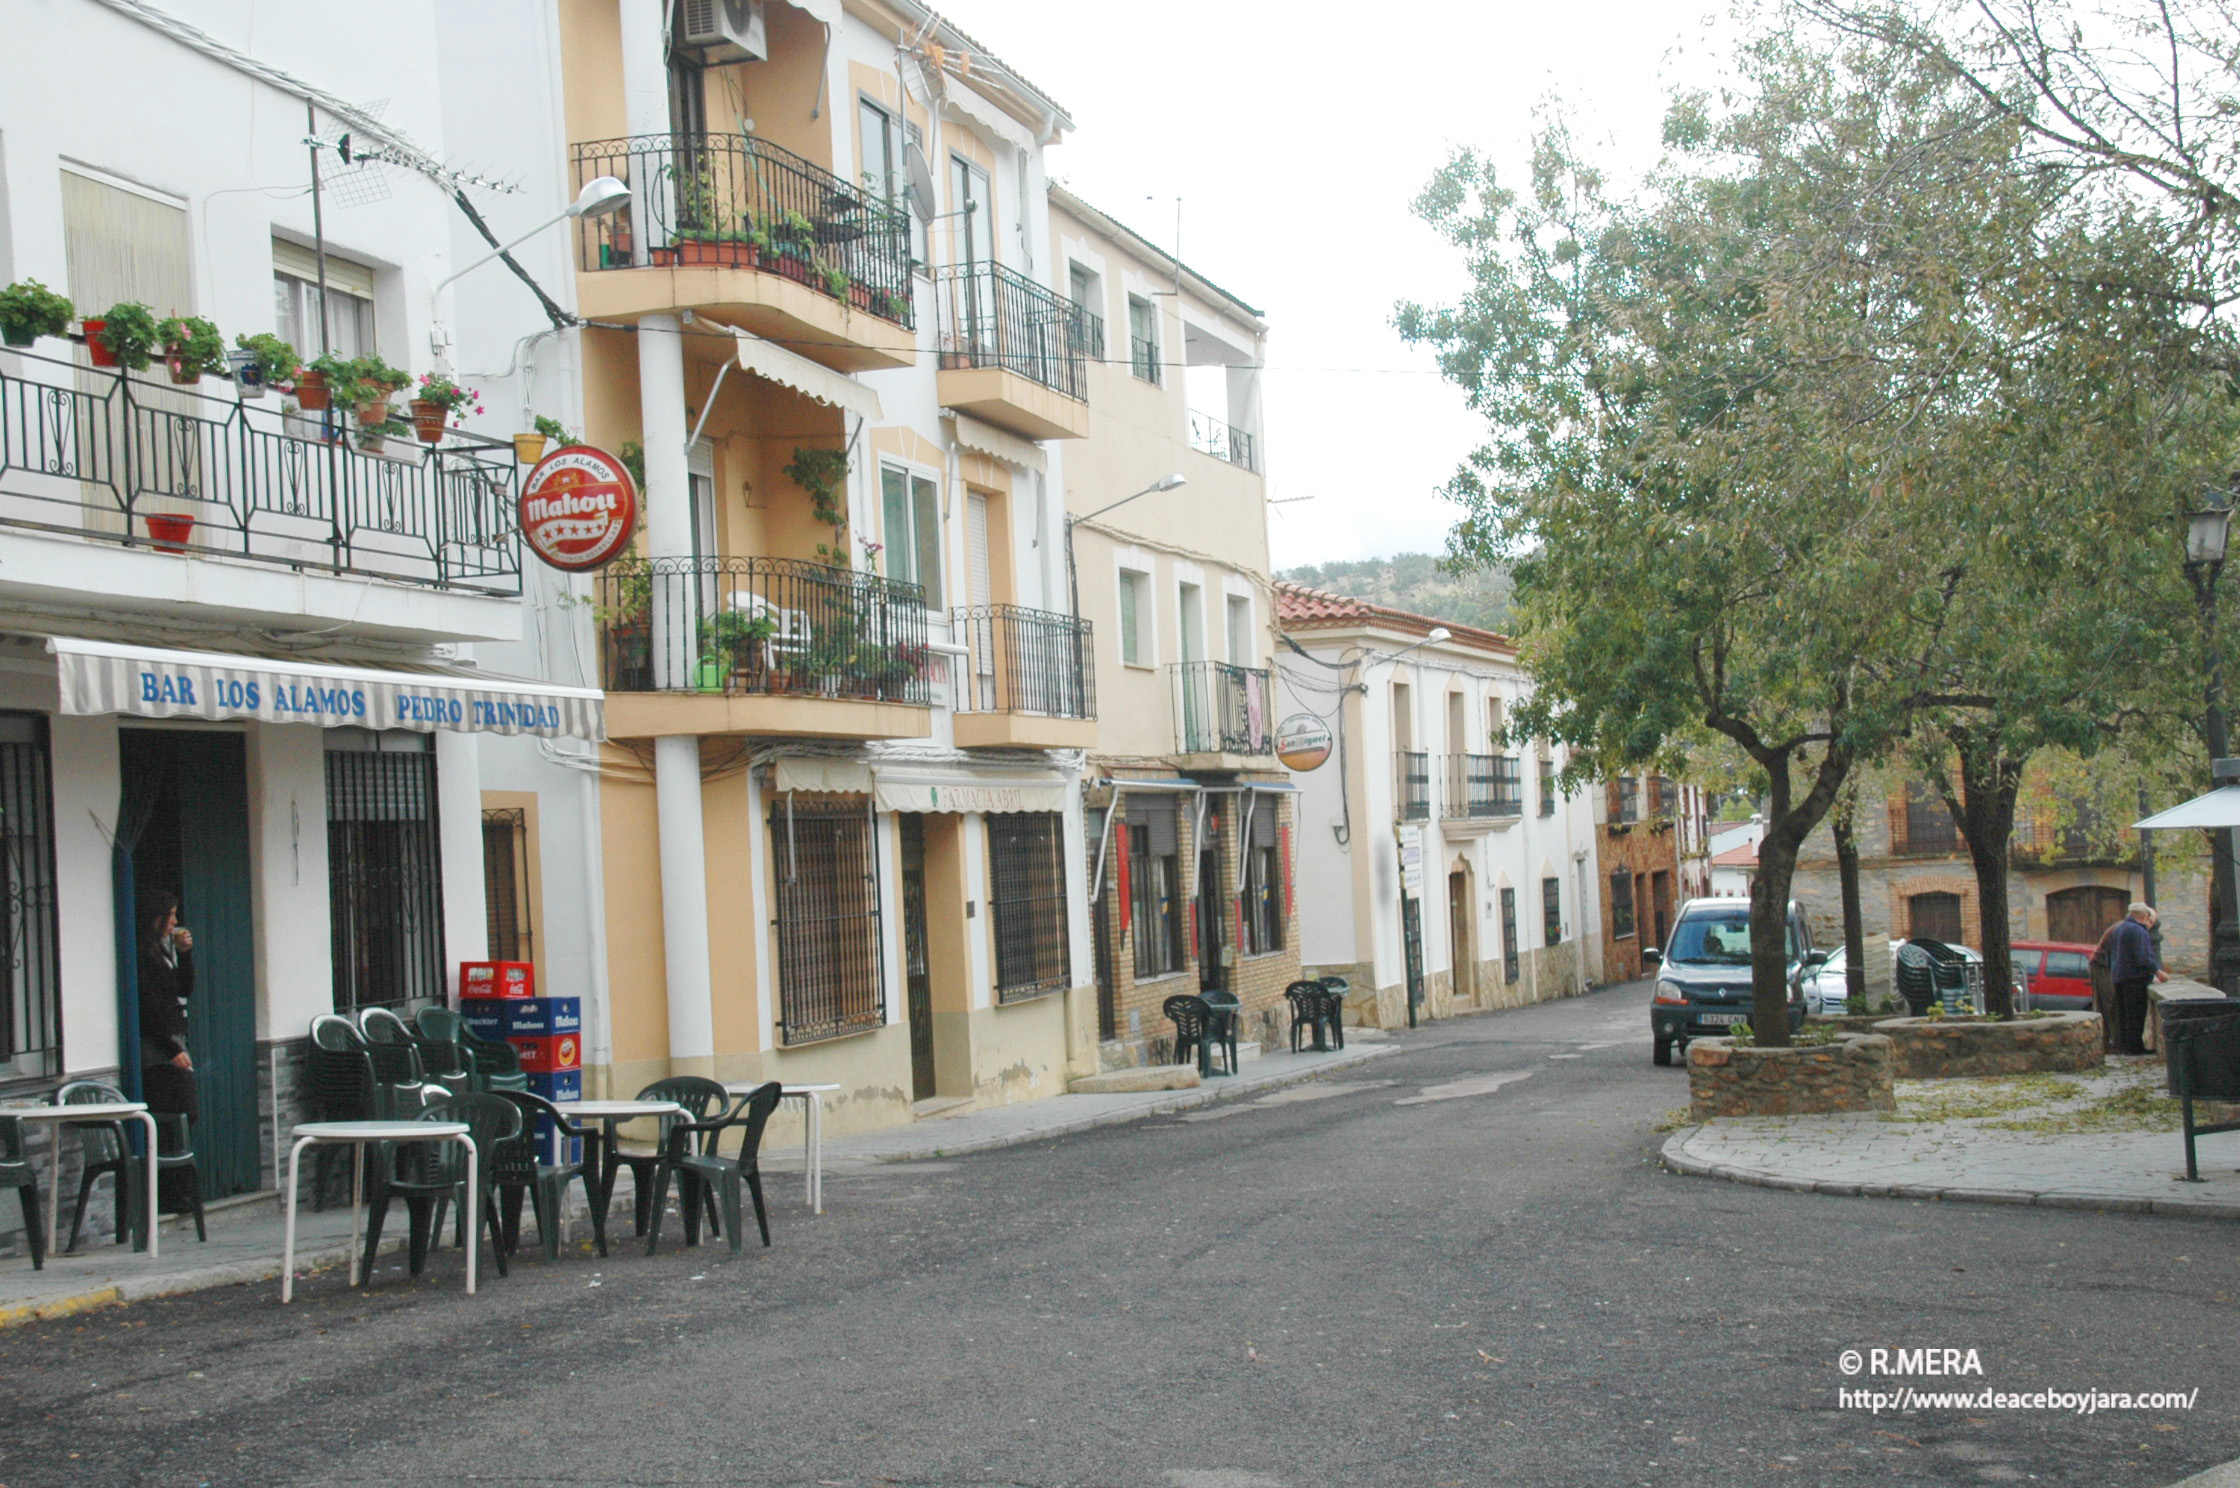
(1417,582)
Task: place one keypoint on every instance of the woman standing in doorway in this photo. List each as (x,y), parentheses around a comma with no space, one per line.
(166,984)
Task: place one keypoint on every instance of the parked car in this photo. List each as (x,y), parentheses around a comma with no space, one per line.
(1703,973)
(1826,991)
(2059,973)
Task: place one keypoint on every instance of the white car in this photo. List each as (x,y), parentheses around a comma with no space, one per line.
(1825,990)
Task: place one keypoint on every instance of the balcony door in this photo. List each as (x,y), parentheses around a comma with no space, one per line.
(1211,910)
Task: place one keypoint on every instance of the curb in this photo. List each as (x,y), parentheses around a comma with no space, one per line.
(1204,1095)
(1675,1156)
(179,1283)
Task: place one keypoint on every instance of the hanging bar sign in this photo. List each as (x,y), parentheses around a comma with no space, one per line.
(579,508)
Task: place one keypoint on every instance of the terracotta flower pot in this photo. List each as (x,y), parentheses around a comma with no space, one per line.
(181,372)
(375,412)
(95,348)
(170,531)
(528,448)
(311,390)
(427,420)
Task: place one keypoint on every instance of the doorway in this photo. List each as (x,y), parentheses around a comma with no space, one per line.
(2082,915)
(187,795)
(1660,905)
(1462,956)
(917,959)
(1211,908)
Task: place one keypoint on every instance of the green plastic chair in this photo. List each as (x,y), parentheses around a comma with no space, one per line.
(707,1169)
(698,1096)
(103,1152)
(546,1184)
(490,1064)
(16,1173)
(429,1176)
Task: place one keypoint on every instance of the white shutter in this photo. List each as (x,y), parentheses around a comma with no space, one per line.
(976,550)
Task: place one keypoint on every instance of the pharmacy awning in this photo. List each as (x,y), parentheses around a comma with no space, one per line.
(152,682)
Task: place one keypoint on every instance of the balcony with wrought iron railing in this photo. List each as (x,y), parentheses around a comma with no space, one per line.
(762,645)
(1411,785)
(1483,787)
(1216,436)
(116,458)
(781,245)
(1221,709)
(1026,680)
(1011,351)
(1143,359)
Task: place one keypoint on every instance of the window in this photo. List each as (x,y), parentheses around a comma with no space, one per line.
(1088,312)
(505,882)
(1551,910)
(31,1001)
(1510,958)
(1621,905)
(121,243)
(1547,787)
(1154,885)
(1143,339)
(883,171)
(1190,618)
(1027,903)
(1263,879)
(976,230)
(1928,822)
(1240,631)
(1934,917)
(1497,723)
(385,869)
(1135,610)
(831,978)
(295,293)
(913,530)
(2074,964)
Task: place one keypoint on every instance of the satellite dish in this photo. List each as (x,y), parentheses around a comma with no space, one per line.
(921,182)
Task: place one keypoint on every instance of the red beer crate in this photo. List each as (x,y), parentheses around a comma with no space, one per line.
(549,1054)
(497,979)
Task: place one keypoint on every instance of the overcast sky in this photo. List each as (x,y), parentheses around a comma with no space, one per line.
(1296,136)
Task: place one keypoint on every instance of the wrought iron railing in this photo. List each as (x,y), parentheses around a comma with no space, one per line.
(1088,333)
(1143,358)
(736,201)
(1221,439)
(1025,661)
(1221,709)
(762,625)
(96,454)
(1411,784)
(831,958)
(1027,904)
(1482,786)
(992,316)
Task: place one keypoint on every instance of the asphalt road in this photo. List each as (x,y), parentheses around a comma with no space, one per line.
(1459,1265)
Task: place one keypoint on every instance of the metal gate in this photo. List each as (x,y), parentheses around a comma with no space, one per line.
(917,969)
(385,877)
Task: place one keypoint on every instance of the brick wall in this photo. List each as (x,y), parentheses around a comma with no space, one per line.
(1643,850)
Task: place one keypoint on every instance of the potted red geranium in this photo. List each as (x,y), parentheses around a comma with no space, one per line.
(441,401)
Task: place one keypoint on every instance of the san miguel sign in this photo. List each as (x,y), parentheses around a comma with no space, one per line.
(579,508)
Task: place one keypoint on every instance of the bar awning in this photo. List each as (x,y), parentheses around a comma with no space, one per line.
(925,785)
(773,363)
(152,682)
(2219,808)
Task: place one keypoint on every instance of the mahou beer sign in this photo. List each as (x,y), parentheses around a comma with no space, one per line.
(579,508)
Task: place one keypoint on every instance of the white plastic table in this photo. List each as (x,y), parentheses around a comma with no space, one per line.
(357,1134)
(91,1111)
(812,1129)
(599,1160)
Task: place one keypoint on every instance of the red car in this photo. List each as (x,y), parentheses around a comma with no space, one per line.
(2059,974)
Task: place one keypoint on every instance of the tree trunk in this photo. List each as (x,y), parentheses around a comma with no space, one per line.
(1789,820)
(1990,779)
(1847,876)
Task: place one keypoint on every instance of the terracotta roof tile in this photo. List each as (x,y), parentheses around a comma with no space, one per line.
(1301,608)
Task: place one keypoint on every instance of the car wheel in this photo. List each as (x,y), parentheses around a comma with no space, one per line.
(1660,1053)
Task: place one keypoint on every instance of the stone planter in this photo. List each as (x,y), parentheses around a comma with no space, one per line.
(1851,1074)
(1950,1048)
(1850,1022)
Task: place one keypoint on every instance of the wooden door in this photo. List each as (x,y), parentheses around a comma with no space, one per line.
(2082,915)
(1462,954)
(917,966)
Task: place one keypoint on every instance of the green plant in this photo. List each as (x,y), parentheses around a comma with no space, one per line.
(733,636)
(129,332)
(371,436)
(821,473)
(454,399)
(1855,1006)
(192,345)
(557,432)
(625,594)
(633,458)
(836,283)
(886,304)
(338,371)
(274,357)
(29,310)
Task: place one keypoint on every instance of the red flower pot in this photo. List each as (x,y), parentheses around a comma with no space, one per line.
(169,531)
(427,420)
(374,412)
(181,373)
(311,390)
(95,348)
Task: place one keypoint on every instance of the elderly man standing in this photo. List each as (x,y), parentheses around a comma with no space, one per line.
(2132,964)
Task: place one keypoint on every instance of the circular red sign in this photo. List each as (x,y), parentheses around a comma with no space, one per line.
(578,508)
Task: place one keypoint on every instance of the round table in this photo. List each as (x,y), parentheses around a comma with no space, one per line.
(812,1130)
(599,1159)
(357,1134)
(91,1111)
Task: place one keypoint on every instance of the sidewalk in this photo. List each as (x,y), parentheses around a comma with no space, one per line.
(2108,1141)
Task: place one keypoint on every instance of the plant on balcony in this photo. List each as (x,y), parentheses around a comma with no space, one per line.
(441,401)
(317,384)
(529,448)
(822,473)
(262,361)
(192,348)
(374,370)
(374,438)
(888,305)
(736,641)
(792,241)
(124,337)
(837,283)
(625,597)
(633,457)
(29,310)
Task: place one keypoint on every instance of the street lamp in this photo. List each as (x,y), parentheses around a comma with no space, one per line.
(1073,584)
(2207,533)
(601,196)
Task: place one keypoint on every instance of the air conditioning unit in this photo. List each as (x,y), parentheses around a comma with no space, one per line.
(724,30)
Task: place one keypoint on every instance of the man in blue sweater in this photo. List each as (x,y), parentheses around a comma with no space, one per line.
(2132,963)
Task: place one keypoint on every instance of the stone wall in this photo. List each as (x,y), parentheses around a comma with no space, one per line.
(1644,849)
(1949,1048)
(1851,1074)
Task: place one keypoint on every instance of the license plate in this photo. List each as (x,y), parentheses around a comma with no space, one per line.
(1722,1020)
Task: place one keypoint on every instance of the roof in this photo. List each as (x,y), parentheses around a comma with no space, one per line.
(1098,217)
(1745,856)
(1300,608)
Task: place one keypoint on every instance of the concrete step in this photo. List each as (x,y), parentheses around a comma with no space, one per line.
(941,1105)
(1142,1077)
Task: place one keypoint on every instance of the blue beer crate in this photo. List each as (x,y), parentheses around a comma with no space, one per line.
(521,1017)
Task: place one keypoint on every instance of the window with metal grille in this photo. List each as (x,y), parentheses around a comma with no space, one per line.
(384,869)
(1027,903)
(1551,910)
(1154,886)
(1547,787)
(831,976)
(505,882)
(1143,340)
(1263,881)
(1934,916)
(1621,905)
(31,1003)
(1510,958)
(1929,827)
